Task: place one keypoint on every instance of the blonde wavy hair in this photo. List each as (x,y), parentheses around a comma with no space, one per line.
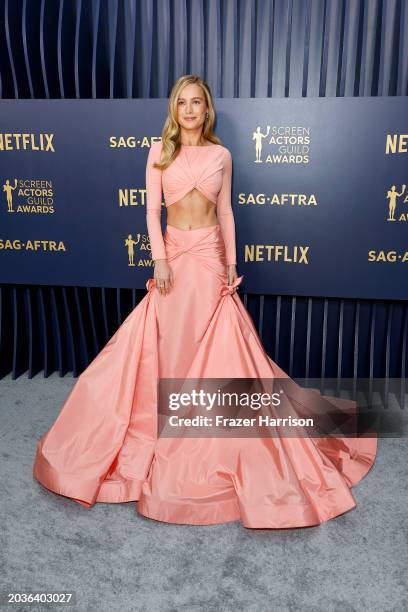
(170,136)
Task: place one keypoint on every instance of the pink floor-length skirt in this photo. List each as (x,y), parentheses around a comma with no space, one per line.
(104,447)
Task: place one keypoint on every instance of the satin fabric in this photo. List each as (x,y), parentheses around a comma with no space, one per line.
(103,446)
(207,169)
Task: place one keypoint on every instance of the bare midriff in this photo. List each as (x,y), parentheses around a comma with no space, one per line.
(192,212)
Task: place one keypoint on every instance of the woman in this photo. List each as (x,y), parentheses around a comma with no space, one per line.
(104,445)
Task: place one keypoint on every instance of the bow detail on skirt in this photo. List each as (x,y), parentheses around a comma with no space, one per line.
(150,283)
(225,289)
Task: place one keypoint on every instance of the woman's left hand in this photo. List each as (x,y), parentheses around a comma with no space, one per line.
(232,275)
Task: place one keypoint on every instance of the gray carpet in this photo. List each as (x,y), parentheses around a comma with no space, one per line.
(114,559)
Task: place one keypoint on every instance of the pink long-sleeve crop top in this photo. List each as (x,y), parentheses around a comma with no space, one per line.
(207,168)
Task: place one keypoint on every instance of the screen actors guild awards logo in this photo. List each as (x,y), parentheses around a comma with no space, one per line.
(32,195)
(286,144)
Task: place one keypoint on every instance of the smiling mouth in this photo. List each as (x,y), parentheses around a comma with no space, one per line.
(190,118)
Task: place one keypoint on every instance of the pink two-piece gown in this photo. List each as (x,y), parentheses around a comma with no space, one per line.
(104,445)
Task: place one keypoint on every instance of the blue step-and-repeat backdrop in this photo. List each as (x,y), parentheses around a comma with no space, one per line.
(320,193)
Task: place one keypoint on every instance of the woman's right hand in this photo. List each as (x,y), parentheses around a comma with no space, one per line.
(163,276)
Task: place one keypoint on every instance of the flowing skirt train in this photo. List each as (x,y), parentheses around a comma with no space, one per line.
(104,447)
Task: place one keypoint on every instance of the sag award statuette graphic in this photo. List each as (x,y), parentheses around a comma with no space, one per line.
(9,194)
(130,243)
(258,136)
(392,196)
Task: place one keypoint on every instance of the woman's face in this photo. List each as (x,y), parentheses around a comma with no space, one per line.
(191,107)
